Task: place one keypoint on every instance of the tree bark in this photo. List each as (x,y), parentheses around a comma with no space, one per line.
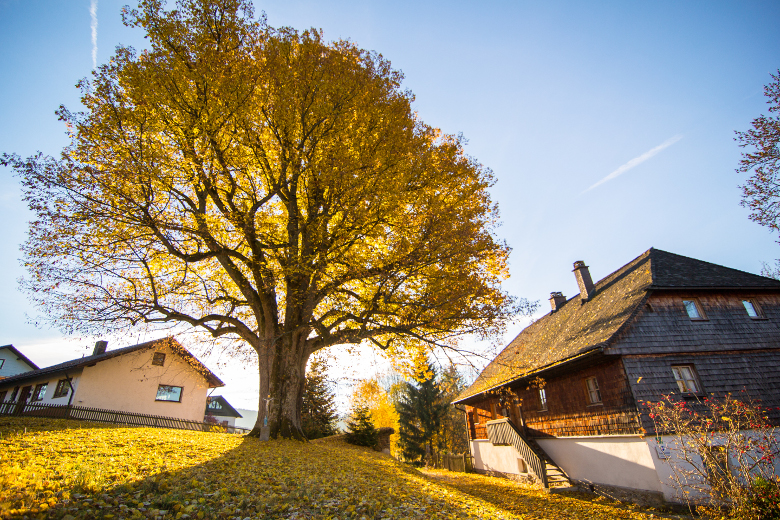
(282,372)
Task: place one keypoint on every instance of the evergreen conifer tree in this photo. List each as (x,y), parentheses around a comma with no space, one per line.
(421,410)
(318,410)
(453,437)
(361,428)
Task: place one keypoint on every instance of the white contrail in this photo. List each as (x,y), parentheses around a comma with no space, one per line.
(637,160)
(93,13)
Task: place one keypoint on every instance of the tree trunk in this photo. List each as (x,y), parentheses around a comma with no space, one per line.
(282,371)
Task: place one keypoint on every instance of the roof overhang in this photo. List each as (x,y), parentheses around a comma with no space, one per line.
(714,288)
(590,357)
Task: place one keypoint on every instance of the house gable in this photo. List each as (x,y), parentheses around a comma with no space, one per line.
(131,382)
(13,362)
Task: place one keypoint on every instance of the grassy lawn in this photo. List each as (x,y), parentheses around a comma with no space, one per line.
(68,470)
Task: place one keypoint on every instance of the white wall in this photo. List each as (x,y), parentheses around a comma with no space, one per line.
(12,365)
(665,470)
(52,386)
(488,457)
(129,383)
(614,460)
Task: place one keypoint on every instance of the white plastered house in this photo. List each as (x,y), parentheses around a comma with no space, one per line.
(219,410)
(13,362)
(158,377)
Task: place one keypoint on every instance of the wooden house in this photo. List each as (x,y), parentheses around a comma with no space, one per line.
(563,400)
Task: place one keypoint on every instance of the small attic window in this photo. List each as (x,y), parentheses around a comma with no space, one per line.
(542,400)
(752,309)
(694,310)
(158,359)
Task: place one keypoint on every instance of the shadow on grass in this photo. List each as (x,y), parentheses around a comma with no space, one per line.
(533,502)
(153,473)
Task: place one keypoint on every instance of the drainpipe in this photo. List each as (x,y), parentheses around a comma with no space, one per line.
(72,392)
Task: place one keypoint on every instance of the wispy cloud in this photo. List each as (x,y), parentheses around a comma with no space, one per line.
(636,161)
(93,13)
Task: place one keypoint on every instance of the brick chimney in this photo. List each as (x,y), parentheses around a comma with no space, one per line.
(100,347)
(581,273)
(556,300)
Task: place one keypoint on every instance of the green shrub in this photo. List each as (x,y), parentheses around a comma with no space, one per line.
(763,501)
(361,428)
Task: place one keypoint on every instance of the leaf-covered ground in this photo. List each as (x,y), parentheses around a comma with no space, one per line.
(69,470)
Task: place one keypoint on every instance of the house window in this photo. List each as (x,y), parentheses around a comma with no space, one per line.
(2,362)
(542,400)
(214,405)
(158,359)
(686,378)
(63,387)
(594,395)
(752,309)
(169,393)
(694,310)
(39,392)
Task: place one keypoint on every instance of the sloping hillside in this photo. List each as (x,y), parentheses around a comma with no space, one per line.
(59,469)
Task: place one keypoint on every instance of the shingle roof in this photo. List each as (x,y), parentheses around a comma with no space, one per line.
(677,271)
(226,409)
(73,364)
(20,355)
(577,328)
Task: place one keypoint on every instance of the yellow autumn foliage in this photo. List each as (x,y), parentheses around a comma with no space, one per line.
(69,470)
(383,413)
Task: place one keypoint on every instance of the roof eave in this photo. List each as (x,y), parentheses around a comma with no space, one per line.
(595,349)
(21,356)
(715,288)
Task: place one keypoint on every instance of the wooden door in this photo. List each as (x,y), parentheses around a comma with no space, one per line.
(23,396)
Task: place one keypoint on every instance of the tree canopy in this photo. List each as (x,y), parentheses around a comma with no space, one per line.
(761,192)
(263,185)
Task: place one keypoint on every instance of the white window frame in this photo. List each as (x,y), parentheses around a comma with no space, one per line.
(594,393)
(683,380)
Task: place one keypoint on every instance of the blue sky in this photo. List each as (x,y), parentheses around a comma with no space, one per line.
(609,125)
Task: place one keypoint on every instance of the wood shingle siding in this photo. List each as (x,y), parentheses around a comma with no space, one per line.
(748,375)
(568,404)
(667,329)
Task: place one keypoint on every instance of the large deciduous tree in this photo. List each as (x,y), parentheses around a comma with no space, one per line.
(761,192)
(263,185)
